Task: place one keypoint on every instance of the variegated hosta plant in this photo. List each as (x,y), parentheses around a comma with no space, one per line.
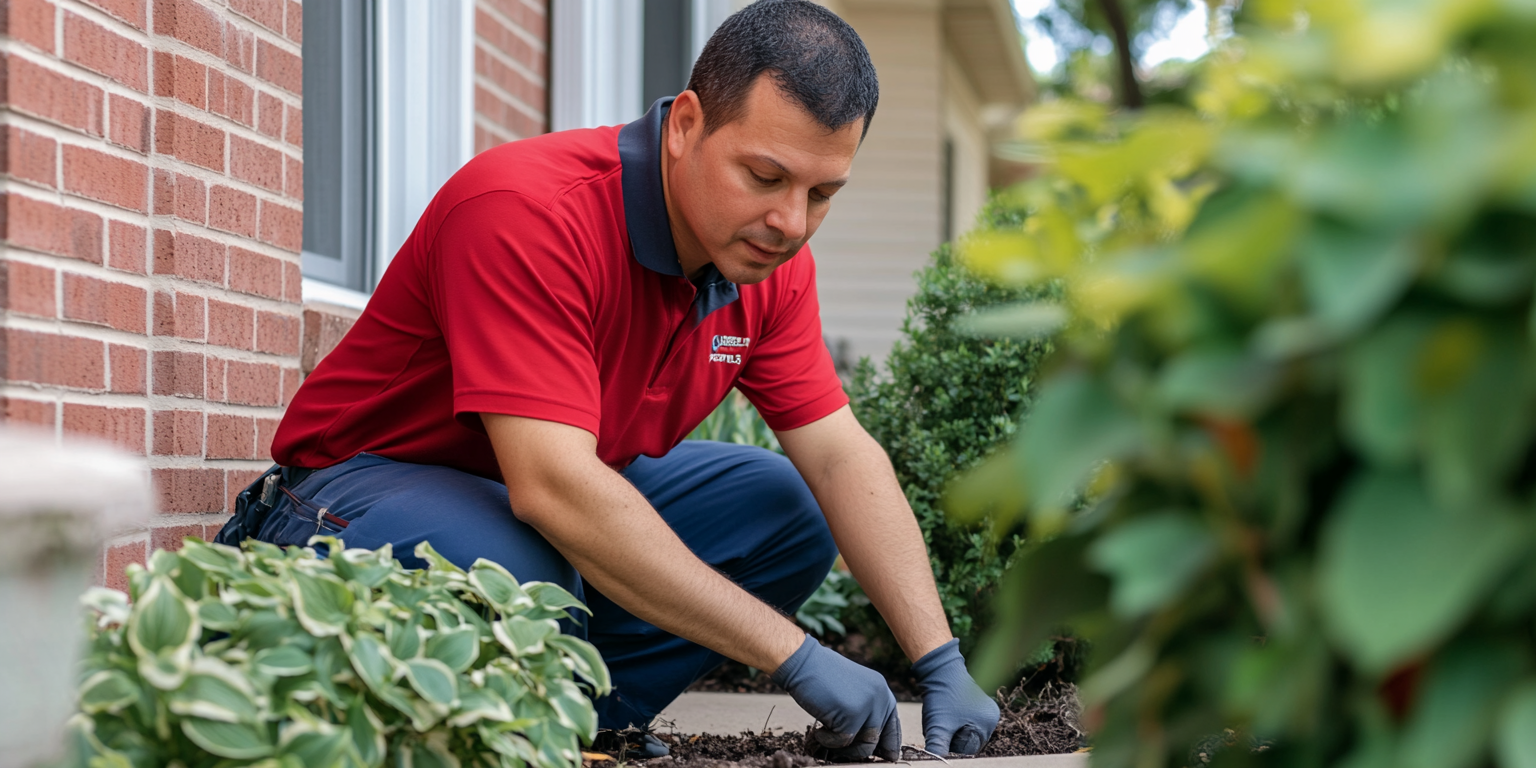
(280,657)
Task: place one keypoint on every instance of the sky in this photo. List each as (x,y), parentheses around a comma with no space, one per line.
(1185,41)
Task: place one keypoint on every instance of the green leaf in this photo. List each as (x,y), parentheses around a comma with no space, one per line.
(433,752)
(162,630)
(1152,559)
(1077,424)
(433,680)
(372,661)
(216,691)
(1047,588)
(110,603)
(282,661)
(436,562)
(1398,574)
(213,558)
(523,636)
(477,704)
(1223,382)
(573,708)
(237,741)
(404,638)
(322,603)
(1381,404)
(553,598)
(1024,321)
(586,660)
(458,648)
(318,744)
(498,587)
(107,691)
(1459,704)
(1352,276)
(1515,743)
(218,616)
(367,732)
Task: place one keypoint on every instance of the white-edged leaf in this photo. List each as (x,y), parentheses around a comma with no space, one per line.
(523,636)
(586,660)
(110,603)
(236,741)
(498,587)
(553,597)
(282,661)
(321,602)
(477,704)
(458,648)
(107,691)
(433,680)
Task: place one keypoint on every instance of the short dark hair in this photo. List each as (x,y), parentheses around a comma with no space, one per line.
(814,57)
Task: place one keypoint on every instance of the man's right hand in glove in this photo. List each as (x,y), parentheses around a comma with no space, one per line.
(854,704)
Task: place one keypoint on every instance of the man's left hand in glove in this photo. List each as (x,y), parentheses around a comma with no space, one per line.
(958,717)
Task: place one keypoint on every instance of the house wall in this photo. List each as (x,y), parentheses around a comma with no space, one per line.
(152,196)
(889,218)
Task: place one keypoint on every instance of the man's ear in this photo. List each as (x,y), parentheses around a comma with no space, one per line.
(685,122)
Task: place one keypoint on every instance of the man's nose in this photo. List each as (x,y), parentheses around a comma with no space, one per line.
(788,217)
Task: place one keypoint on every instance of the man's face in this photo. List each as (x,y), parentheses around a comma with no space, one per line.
(753,192)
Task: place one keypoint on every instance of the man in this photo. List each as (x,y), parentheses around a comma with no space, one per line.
(568,308)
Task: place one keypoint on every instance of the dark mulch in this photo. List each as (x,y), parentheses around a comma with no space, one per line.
(1041,722)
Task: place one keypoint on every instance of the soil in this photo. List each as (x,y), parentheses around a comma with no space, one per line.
(1041,723)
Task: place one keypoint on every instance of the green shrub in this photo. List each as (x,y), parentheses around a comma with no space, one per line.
(1297,386)
(281,658)
(945,399)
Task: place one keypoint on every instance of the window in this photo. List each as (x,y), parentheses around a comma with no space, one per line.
(388,117)
(612,58)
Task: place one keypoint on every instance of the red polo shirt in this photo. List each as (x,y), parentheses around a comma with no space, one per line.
(542,281)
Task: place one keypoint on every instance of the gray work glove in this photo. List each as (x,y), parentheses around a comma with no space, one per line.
(958,717)
(855,706)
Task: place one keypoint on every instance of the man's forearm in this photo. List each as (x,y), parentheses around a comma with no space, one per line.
(878,536)
(620,545)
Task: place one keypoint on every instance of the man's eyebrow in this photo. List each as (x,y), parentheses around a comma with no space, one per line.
(768,160)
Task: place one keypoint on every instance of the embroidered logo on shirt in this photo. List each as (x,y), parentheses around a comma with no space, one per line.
(727,342)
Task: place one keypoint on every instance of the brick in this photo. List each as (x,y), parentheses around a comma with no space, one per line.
(182,315)
(126,247)
(190,140)
(293,178)
(29,289)
(128,124)
(194,489)
(295,31)
(323,330)
(118,558)
(188,82)
(231,437)
(108,178)
(122,427)
(231,325)
(253,383)
(102,302)
(277,334)
(232,211)
(239,102)
(53,96)
(279,67)
(177,433)
(29,156)
(240,49)
(127,368)
(497,35)
(293,128)
(173,537)
(18,411)
(282,227)
(48,358)
(50,228)
(255,273)
(266,430)
(189,256)
(268,13)
(293,282)
(291,383)
(179,374)
(131,11)
(190,22)
(235,481)
(30,21)
(256,163)
(269,114)
(103,51)
(181,195)
(217,370)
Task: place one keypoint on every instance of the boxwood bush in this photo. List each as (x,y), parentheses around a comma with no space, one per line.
(1298,384)
(274,657)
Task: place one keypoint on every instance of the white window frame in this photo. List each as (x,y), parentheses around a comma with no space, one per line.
(423,123)
(595,62)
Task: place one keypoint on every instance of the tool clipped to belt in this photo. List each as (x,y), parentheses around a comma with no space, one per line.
(254,504)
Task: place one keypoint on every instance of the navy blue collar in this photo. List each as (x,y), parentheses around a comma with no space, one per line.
(645,210)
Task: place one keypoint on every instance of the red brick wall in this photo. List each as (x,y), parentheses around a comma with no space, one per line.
(152,220)
(511,70)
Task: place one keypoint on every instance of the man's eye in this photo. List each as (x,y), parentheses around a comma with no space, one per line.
(819,197)
(763,181)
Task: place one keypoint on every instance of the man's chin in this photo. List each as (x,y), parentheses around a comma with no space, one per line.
(747,274)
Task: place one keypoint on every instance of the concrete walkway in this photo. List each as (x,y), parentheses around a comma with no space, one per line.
(731,713)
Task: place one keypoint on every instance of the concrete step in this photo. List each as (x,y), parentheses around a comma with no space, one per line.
(731,713)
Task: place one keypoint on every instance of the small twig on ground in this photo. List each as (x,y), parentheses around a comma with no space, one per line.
(769,717)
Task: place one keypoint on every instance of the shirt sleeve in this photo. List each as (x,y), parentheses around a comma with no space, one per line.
(790,376)
(514,299)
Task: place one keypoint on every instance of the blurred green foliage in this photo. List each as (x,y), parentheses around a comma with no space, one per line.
(1297,385)
(948,396)
(278,658)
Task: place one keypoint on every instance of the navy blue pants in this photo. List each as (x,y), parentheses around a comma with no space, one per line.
(745,511)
